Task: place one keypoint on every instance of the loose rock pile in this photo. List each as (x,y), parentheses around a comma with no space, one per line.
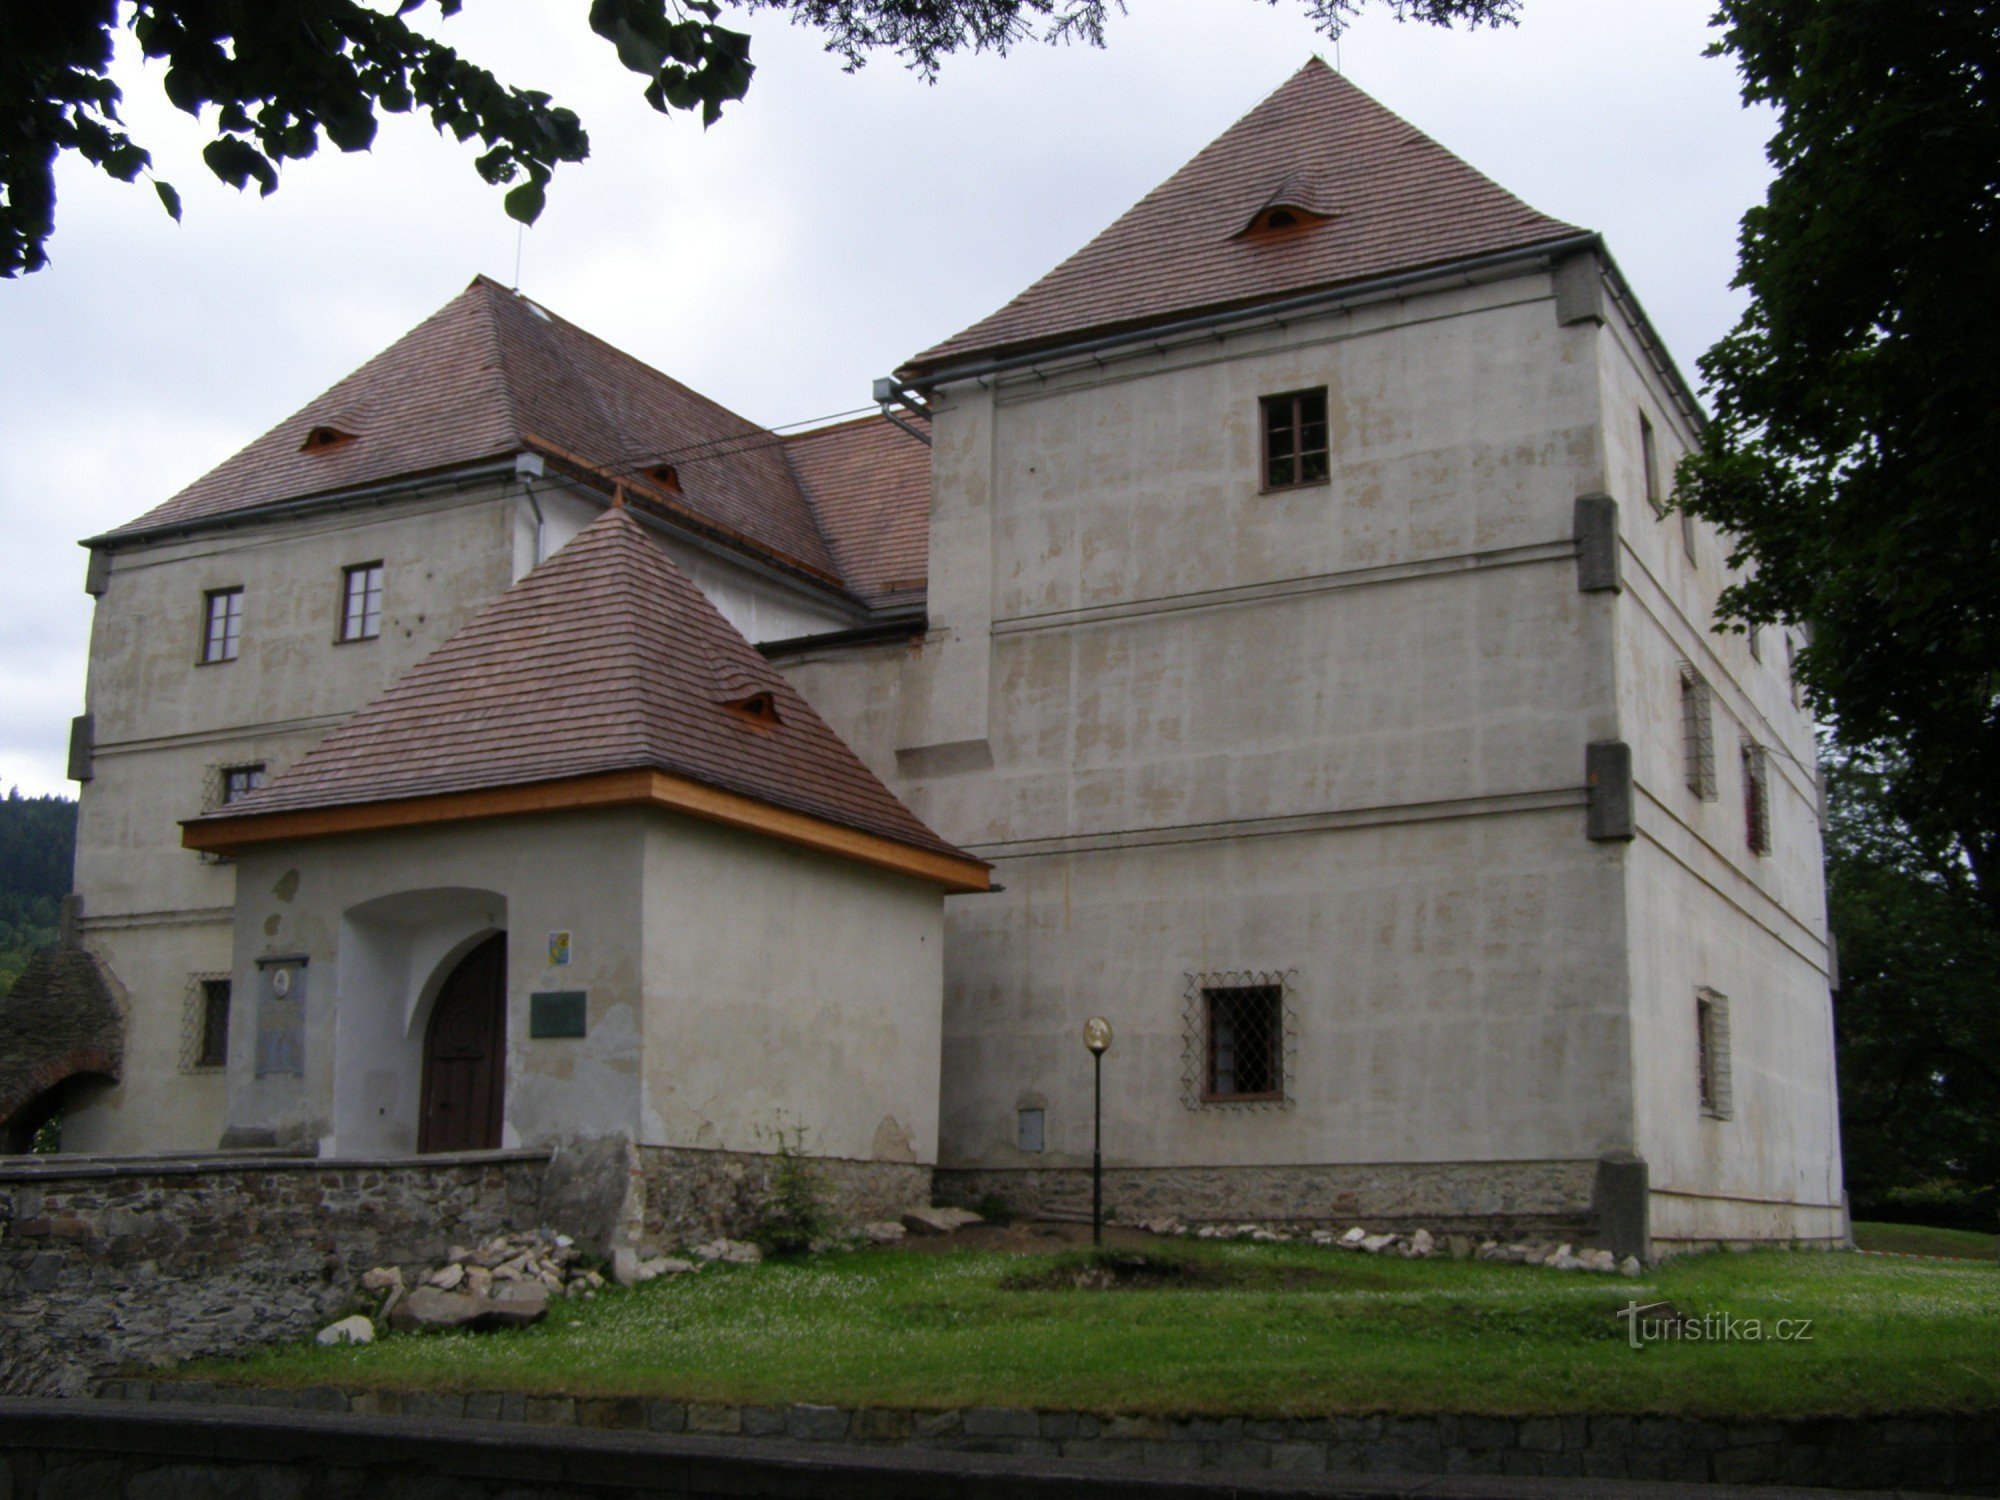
(504,1283)
(1420,1245)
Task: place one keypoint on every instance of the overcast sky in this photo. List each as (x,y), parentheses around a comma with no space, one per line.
(829,227)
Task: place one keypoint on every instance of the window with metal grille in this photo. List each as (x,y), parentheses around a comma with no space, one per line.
(1698,733)
(1756,800)
(361,602)
(1245,1042)
(205,1024)
(239,782)
(1295,444)
(1712,1061)
(222,624)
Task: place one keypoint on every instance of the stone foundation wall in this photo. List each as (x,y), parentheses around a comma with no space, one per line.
(135,1261)
(689,1195)
(1497,1198)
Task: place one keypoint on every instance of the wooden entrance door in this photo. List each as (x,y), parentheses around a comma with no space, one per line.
(465,1054)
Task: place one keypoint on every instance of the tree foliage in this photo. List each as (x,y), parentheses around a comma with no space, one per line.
(1855,454)
(37,848)
(1918,1011)
(275,76)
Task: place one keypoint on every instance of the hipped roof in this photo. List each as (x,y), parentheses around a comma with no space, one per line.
(606,659)
(492,374)
(1386,199)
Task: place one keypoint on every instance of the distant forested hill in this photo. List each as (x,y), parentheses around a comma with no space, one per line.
(37,845)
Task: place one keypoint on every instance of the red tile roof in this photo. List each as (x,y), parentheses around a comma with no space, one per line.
(604,659)
(1395,200)
(869,482)
(492,374)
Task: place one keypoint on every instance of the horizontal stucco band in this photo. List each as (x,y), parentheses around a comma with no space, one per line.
(1557,799)
(1563,551)
(1502,1195)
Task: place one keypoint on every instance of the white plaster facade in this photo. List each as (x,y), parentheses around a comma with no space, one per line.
(733,986)
(1336,733)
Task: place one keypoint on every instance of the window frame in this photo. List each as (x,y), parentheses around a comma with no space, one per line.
(1697,733)
(1273,1048)
(253,774)
(1756,798)
(1300,453)
(216,650)
(353,627)
(1714,1073)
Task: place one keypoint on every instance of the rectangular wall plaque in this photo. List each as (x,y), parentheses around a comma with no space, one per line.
(281,1017)
(557,1013)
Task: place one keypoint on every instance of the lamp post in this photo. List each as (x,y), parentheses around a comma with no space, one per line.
(1097,1037)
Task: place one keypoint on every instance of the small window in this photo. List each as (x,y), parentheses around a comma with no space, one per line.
(320,439)
(239,782)
(222,624)
(1246,1042)
(759,709)
(1028,1129)
(1712,1062)
(1687,537)
(1756,800)
(1698,733)
(1649,461)
(1756,643)
(361,602)
(1295,445)
(666,476)
(205,1027)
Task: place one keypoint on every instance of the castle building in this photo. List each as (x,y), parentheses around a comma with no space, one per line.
(1267,632)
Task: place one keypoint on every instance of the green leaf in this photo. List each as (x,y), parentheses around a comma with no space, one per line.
(170,198)
(524,203)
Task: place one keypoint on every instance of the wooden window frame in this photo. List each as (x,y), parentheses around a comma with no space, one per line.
(354,625)
(1293,403)
(1274,996)
(228,647)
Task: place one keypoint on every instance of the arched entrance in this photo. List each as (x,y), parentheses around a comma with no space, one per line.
(465,1054)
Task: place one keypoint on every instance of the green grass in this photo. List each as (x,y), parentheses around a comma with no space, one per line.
(1918,1239)
(1292,1330)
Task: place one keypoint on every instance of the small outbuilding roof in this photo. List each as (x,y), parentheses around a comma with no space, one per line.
(1317,186)
(59,1021)
(605,677)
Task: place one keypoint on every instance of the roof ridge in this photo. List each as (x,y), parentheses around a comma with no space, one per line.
(496,349)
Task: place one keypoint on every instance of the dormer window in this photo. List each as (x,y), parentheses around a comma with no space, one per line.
(759,709)
(322,439)
(666,476)
(1280,220)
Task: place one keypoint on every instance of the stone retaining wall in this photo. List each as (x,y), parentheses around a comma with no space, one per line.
(107,1263)
(1500,1198)
(1942,1454)
(691,1195)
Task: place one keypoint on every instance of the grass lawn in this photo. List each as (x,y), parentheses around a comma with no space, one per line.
(1916,1239)
(1269,1330)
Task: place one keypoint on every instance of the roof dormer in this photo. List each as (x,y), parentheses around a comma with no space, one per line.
(323,439)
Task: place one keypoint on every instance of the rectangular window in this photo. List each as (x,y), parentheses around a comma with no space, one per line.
(1295,445)
(222,624)
(1698,733)
(1649,460)
(1711,1041)
(1687,536)
(361,602)
(239,782)
(1756,643)
(1756,800)
(1246,1042)
(205,1024)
